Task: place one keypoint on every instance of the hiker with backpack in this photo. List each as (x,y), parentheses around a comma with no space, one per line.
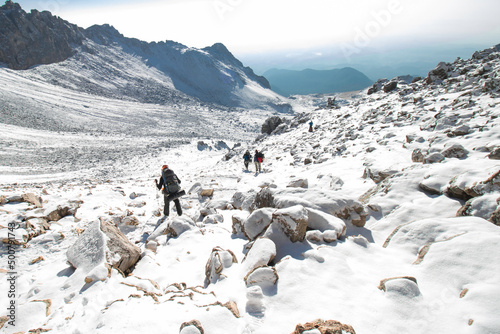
(171,189)
(247,157)
(258,158)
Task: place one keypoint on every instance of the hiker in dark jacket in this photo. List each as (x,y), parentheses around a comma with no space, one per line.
(258,158)
(247,157)
(170,184)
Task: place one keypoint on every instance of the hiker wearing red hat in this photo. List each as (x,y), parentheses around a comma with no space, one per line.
(171,189)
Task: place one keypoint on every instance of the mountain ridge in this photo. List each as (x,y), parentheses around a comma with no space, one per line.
(209,75)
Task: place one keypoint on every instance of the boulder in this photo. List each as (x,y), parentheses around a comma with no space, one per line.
(265,277)
(377,175)
(417,155)
(102,242)
(324,327)
(322,221)
(263,199)
(191,327)
(271,124)
(121,253)
(55,213)
(455,151)
(390,86)
(243,200)
(209,192)
(257,222)
(238,220)
(213,219)
(495,216)
(459,131)
(90,248)
(298,183)
(402,285)
(377,86)
(495,154)
(292,221)
(218,260)
(179,225)
(33,199)
(432,158)
(439,73)
(261,253)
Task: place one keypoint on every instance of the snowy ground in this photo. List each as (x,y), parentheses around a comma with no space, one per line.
(358,157)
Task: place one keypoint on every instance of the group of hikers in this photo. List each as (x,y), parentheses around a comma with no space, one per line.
(169,183)
(258,158)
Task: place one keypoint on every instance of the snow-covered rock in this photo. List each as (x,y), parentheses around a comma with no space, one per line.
(101,243)
(219,260)
(265,277)
(292,221)
(261,253)
(257,222)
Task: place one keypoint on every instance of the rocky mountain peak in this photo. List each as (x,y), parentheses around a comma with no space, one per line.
(28,39)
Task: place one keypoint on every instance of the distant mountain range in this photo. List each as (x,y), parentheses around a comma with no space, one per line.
(290,82)
(101,61)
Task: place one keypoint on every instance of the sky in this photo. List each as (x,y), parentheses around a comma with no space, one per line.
(342,31)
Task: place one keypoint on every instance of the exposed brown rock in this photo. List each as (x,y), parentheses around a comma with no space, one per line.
(33,199)
(325,327)
(195,323)
(118,243)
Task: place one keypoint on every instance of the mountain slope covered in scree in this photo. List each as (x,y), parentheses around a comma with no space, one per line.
(383,219)
(101,61)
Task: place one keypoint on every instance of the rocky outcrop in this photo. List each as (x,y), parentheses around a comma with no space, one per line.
(324,327)
(271,124)
(439,73)
(28,39)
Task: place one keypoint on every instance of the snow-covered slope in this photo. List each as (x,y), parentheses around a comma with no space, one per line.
(399,190)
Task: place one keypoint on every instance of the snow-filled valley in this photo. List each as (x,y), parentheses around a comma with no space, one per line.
(383,218)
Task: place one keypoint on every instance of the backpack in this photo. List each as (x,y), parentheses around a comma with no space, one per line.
(170,181)
(260,157)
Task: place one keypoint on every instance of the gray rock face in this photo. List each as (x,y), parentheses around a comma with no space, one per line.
(271,124)
(28,39)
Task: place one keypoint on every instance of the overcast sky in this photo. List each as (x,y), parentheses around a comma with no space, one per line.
(258,26)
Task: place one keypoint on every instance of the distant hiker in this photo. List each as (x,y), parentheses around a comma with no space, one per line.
(171,189)
(258,158)
(247,157)
(311,126)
